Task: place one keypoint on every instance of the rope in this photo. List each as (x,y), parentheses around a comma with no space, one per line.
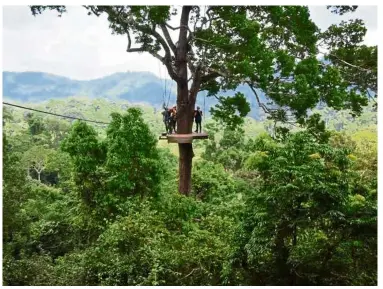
(203,59)
(55,114)
(204,99)
(160,75)
(170,90)
(165,81)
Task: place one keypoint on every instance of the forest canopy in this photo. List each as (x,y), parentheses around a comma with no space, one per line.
(263,211)
(87,204)
(272,49)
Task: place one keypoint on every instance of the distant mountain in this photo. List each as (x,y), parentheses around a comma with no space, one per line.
(135,87)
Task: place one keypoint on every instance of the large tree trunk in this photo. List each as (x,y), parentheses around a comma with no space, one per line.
(282,253)
(185,106)
(184,126)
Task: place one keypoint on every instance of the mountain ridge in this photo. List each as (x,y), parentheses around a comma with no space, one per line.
(135,87)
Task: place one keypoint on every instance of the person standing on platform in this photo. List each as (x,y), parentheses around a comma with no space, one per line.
(198,119)
(166,118)
(173,119)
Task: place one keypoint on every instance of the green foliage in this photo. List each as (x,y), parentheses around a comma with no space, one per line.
(39,9)
(228,151)
(211,182)
(87,156)
(226,110)
(56,130)
(125,164)
(273,50)
(304,221)
(342,9)
(14,188)
(35,270)
(297,208)
(36,125)
(59,163)
(36,159)
(132,159)
(300,210)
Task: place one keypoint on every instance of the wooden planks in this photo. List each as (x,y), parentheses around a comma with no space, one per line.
(183,138)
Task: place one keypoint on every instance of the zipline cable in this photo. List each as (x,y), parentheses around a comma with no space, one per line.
(55,114)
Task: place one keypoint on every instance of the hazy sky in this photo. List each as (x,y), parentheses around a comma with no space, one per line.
(82,47)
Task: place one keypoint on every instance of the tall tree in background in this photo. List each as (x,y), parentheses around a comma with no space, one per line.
(272,49)
(36,159)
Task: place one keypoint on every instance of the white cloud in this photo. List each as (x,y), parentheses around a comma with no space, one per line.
(324,18)
(74,45)
(82,47)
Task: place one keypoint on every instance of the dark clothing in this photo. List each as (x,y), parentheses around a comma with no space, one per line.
(198,120)
(165,119)
(198,116)
(166,115)
(198,124)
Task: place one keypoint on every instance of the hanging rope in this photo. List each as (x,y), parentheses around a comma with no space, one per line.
(204,50)
(204,111)
(170,90)
(164,90)
(204,61)
(165,81)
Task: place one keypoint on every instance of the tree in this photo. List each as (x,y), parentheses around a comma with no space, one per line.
(272,49)
(311,222)
(229,151)
(125,164)
(7,115)
(36,124)
(87,155)
(132,159)
(60,165)
(14,188)
(36,159)
(56,130)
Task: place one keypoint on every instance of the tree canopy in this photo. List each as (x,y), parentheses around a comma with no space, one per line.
(297,210)
(289,205)
(272,49)
(278,51)
(107,212)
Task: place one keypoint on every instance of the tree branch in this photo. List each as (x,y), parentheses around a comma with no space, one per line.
(264,107)
(176,28)
(179,27)
(168,38)
(191,65)
(196,84)
(211,76)
(141,49)
(192,271)
(347,63)
(216,73)
(166,60)
(93,9)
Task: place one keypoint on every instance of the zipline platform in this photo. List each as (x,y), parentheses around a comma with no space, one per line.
(183,138)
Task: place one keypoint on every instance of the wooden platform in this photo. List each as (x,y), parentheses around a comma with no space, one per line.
(183,138)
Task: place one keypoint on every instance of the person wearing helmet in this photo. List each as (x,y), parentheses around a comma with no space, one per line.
(198,119)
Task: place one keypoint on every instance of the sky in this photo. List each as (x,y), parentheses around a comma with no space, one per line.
(82,47)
